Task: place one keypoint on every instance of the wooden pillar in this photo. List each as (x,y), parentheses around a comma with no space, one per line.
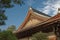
(58,31)
(28,35)
(55,30)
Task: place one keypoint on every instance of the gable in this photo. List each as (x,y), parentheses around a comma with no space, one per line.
(31,22)
(32,19)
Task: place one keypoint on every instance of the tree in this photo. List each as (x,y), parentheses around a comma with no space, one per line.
(7,4)
(40,36)
(2,17)
(7,35)
(11,28)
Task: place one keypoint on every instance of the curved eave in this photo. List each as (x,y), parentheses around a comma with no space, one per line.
(30,31)
(27,18)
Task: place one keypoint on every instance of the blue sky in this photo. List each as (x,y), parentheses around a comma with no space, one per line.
(17,14)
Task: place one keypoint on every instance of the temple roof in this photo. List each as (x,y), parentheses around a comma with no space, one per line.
(35,13)
(44,23)
(37,28)
(51,20)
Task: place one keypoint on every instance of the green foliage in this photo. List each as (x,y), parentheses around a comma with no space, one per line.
(2,17)
(7,4)
(7,35)
(40,36)
(0,30)
(11,28)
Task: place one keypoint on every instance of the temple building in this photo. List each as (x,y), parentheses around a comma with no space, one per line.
(37,21)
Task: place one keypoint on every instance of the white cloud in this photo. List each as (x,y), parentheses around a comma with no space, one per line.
(51,5)
(46,9)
